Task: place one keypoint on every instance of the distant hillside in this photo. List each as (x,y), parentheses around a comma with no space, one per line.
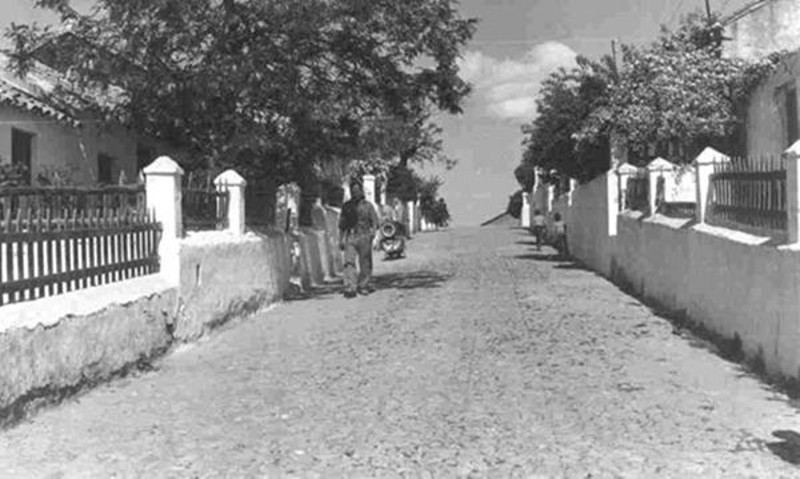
(503,219)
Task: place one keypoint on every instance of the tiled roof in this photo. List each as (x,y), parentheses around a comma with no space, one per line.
(42,91)
(15,96)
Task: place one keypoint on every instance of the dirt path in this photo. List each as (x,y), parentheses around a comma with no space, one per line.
(476,357)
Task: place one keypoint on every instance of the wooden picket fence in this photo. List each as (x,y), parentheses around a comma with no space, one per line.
(56,240)
(749,192)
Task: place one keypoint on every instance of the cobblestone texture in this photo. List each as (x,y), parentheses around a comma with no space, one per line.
(476,357)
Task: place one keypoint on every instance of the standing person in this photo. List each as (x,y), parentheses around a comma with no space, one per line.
(397,216)
(538,228)
(560,230)
(397,210)
(387,213)
(357,227)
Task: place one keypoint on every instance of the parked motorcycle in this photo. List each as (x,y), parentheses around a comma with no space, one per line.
(392,240)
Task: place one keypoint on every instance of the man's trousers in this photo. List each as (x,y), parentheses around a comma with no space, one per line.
(359,249)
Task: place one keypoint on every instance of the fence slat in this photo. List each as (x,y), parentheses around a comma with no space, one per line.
(750,192)
(56,240)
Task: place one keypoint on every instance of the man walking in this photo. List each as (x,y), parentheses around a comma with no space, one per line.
(357,226)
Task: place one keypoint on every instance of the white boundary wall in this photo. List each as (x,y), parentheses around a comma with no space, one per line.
(733,283)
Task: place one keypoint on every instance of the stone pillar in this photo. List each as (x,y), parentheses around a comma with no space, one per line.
(383,192)
(792,156)
(163,190)
(346,188)
(656,169)
(525,215)
(612,202)
(234,184)
(573,185)
(417,215)
(369,188)
(703,168)
(412,217)
(625,172)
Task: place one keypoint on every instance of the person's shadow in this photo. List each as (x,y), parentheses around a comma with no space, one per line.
(406,280)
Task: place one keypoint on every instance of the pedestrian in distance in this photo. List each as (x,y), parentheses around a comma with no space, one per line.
(357,227)
(560,233)
(538,228)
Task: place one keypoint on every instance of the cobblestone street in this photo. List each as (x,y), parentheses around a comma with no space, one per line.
(476,357)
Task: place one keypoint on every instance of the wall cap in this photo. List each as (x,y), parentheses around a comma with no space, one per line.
(163,165)
(660,164)
(627,169)
(710,156)
(229,178)
(793,152)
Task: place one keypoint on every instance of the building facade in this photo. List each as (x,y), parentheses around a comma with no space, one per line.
(763,27)
(48,132)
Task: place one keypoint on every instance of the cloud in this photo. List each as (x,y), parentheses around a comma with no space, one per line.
(507,88)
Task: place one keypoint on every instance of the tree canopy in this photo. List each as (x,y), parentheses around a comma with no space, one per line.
(269,86)
(567,98)
(672,98)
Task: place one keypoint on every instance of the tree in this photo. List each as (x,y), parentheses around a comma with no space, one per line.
(428,189)
(290,84)
(514,207)
(566,100)
(402,182)
(413,139)
(678,94)
(441,216)
(525,174)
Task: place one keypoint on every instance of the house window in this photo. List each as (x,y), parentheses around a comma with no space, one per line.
(22,151)
(105,169)
(790,105)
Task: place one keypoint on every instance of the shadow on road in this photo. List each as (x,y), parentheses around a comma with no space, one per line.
(527,243)
(696,335)
(788,448)
(554,258)
(411,280)
(408,280)
(564,262)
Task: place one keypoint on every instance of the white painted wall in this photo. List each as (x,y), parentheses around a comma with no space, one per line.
(773,27)
(588,225)
(732,282)
(727,280)
(766,131)
(59,146)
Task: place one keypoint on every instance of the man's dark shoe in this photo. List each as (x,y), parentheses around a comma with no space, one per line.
(350,294)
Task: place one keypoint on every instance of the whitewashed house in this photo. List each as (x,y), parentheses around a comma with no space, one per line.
(52,133)
(759,29)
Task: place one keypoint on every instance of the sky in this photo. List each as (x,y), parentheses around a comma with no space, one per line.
(517,44)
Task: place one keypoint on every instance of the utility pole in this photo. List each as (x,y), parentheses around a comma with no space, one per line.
(708,9)
(614,53)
